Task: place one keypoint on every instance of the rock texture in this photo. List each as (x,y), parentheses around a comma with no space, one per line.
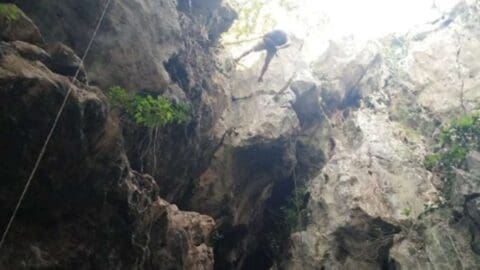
(351,130)
(152,47)
(86,208)
(17,26)
(374,206)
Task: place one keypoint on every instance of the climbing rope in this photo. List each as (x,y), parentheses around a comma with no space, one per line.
(55,122)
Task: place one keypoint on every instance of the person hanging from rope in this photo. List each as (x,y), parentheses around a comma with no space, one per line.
(271,42)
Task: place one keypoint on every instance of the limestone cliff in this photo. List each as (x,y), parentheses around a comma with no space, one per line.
(374,205)
(319,167)
(87,208)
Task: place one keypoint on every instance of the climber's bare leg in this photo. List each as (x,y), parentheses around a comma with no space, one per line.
(268,59)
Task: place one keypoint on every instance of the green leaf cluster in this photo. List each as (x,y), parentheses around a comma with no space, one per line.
(148,111)
(407,211)
(431,161)
(456,140)
(294,211)
(11,11)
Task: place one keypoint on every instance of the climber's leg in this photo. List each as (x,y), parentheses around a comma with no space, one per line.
(268,59)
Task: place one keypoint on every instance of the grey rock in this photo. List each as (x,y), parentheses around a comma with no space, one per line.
(15,25)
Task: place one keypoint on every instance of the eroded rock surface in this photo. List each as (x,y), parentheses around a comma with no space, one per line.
(374,205)
(353,129)
(86,208)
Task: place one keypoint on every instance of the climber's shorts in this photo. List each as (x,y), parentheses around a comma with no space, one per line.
(265,44)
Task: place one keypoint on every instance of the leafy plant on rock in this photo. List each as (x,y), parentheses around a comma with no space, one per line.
(456,140)
(148,111)
(295,212)
(10,11)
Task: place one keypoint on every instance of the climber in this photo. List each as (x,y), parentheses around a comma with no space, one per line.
(271,42)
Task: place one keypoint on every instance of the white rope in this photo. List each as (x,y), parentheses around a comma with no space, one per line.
(59,113)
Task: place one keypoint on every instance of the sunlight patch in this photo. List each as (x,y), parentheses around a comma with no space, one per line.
(316,22)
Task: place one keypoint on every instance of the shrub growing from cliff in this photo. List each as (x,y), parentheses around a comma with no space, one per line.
(294,212)
(461,136)
(289,218)
(148,111)
(10,11)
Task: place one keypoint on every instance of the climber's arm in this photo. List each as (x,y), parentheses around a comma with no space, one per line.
(244,54)
(260,46)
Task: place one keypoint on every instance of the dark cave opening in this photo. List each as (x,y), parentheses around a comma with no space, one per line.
(266,243)
(249,246)
(271,238)
(271,235)
(366,239)
(178,73)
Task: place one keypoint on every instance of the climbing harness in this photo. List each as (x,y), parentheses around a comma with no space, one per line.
(55,122)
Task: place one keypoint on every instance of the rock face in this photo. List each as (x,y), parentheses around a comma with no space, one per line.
(17,26)
(86,208)
(373,205)
(154,47)
(345,138)
(137,38)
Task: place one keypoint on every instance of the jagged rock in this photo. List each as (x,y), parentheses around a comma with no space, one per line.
(254,162)
(380,101)
(15,25)
(444,238)
(436,241)
(355,133)
(473,163)
(31,52)
(472,211)
(64,61)
(360,176)
(153,47)
(170,238)
(86,208)
(122,49)
(307,102)
(137,39)
(341,71)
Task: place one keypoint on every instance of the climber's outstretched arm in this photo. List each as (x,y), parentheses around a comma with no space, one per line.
(244,54)
(259,47)
(268,59)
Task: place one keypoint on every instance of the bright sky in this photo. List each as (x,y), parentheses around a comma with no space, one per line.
(368,18)
(318,21)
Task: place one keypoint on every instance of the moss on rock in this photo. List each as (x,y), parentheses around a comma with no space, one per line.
(11,11)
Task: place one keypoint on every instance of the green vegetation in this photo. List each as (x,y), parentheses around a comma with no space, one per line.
(148,111)
(294,211)
(455,141)
(11,11)
(431,161)
(288,219)
(407,211)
